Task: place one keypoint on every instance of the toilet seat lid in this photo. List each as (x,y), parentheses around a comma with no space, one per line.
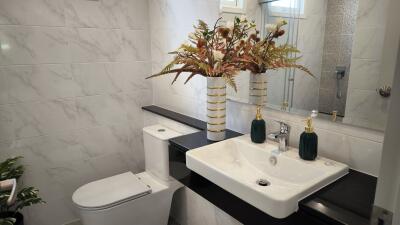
(110,191)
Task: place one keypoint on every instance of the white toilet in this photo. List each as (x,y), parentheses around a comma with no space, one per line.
(133,199)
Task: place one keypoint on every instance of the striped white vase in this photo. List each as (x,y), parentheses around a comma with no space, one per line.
(258,89)
(216,108)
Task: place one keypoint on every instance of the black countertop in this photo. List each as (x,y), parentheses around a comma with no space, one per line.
(187,120)
(348,201)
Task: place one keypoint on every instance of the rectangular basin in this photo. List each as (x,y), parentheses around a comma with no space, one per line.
(237,165)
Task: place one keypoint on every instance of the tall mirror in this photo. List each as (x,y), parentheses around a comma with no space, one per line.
(340,42)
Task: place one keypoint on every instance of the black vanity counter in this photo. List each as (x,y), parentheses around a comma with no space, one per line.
(348,201)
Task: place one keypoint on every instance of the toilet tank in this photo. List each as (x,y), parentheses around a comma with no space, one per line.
(156,149)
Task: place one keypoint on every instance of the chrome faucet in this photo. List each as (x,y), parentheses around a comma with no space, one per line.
(282,136)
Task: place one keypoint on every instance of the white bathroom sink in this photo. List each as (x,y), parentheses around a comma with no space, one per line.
(237,164)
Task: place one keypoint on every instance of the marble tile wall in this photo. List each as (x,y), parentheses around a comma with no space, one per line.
(339,32)
(170,23)
(364,107)
(71,90)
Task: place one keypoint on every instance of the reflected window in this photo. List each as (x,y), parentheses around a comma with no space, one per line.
(287,8)
(233,6)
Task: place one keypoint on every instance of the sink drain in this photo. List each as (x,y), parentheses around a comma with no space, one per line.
(263,182)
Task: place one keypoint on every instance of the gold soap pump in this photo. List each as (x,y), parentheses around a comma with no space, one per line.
(258,114)
(309,127)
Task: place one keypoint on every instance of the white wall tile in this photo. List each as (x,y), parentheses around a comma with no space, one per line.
(95,45)
(101,110)
(365,155)
(370,13)
(6,123)
(3,88)
(39,118)
(32,12)
(10,12)
(366,104)
(368,43)
(134,75)
(129,13)
(363,107)
(102,140)
(94,78)
(109,165)
(43,12)
(126,14)
(31,45)
(89,14)
(364,74)
(39,82)
(71,71)
(136,45)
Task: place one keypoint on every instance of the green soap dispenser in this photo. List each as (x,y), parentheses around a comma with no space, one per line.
(258,132)
(308,147)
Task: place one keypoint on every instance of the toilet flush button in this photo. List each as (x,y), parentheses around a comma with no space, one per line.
(161,130)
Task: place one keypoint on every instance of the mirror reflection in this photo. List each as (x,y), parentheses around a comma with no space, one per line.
(339,44)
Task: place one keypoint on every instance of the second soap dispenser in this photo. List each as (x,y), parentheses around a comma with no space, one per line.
(308,147)
(258,132)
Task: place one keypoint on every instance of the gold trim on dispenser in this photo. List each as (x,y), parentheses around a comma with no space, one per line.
(258,89)
(216,131)
(217,109)
(216,117)
(216,124)
(285,105)
(258,95)
(216,102)
(216,95)
(215,88)
(259,82)
(334,115)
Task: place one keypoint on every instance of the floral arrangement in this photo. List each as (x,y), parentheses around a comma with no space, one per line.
(224,50)
(264,54)
(212,52)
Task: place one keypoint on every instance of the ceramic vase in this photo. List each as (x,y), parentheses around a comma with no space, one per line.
(216,108)
(258,89)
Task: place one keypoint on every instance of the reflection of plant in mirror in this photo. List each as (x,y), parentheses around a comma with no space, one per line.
(215,52)
(264,54)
